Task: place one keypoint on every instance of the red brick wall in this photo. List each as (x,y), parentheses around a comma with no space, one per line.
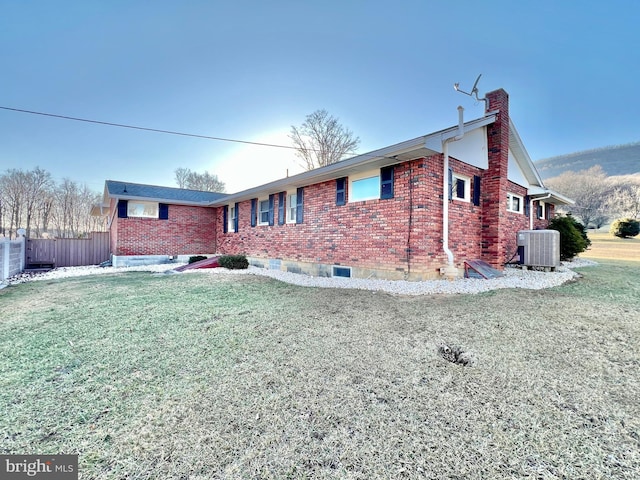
(189,230)
(494,181)
(465,219)
(514,221)
(376,234)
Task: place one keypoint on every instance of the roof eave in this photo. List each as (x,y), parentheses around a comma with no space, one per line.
(415,148)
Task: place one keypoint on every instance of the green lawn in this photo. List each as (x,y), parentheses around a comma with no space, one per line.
(202,375)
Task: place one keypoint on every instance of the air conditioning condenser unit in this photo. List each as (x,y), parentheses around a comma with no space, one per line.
(539,248)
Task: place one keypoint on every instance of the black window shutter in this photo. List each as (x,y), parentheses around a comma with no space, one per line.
(271,201)
(163,211)
(450,183)
(236,220)
(476,190)
(299,204)
(386,182)
(225,219)
(122,208)
(254,207)
(527,204)
(281,197)
(341,190)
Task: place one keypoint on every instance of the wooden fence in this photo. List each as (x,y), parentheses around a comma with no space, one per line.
(68,252)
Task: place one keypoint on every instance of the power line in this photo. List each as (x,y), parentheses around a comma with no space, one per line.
(170,132)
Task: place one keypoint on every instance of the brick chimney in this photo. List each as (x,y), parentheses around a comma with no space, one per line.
(494,182)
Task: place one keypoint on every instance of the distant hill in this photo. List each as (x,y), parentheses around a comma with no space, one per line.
(614,160)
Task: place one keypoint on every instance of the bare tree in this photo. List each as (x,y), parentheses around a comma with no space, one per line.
(206,181)
(182,176)
(321,140)
(590,189)
(13,190)
(37,183)
(30,199)
(625,200)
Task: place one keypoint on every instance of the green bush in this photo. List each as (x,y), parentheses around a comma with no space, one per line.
(197,258)
(573,236)
(234,262)
(625,228)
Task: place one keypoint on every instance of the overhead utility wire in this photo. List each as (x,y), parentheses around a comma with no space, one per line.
(170,132)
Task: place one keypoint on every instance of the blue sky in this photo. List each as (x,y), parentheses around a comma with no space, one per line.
(248,70)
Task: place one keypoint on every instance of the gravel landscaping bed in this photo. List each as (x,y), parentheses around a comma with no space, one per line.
(513,278)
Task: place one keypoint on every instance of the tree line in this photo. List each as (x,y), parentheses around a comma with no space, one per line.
(44,208)
(599,199)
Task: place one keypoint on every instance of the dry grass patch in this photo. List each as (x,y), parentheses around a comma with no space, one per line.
(211,376)
(605,246)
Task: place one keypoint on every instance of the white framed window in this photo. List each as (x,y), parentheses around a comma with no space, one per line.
(514,203)
(142,209)
(292,204)
(542,207)
(263,212)
(231,221)
(460,187)
(364,186)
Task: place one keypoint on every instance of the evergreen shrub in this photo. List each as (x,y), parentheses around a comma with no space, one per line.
(196,258)
(625,228)
(573,236)
(234,262)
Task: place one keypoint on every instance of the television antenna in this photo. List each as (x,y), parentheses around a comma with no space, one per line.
(473,92)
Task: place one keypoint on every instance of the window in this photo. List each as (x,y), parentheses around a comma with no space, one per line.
(541,210)
(142,209)
(364,189)
(460,187)
(338,271)
(263,212)
(514,203)
(232,219)
(292,203)
(371,185)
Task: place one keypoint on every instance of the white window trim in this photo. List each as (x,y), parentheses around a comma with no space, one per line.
(543,210)
(259,212)
(467,187)
(361,176)
(231,224)
(290,206)
(131,214)
(510,197)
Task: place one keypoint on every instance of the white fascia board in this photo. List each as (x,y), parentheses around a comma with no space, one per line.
(522,157)
(541,193)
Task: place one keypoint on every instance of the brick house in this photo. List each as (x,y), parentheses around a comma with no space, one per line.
(408,211)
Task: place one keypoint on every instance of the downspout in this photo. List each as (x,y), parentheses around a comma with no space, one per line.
(450,271)
(531,209)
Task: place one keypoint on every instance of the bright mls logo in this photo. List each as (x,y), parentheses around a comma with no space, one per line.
(46,467)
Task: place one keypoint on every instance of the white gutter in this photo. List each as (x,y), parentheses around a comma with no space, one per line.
(450,271)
